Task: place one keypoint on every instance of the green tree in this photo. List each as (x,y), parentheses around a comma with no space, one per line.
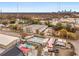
(49,24)
(58,26)
(36,21)
(13,26)
(12,21)
(72,36)
(42,33)
(4,22)
(68,27)
(37,31)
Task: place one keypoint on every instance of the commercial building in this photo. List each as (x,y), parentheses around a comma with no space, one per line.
(6,43)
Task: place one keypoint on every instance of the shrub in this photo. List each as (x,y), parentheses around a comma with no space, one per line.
(13,26)
(72,35)
(63,33)
(58,26)
(12,21)
(4,22)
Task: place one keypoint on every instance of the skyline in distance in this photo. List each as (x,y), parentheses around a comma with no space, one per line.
(38,6)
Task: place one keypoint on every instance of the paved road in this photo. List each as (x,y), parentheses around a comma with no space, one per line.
(9,33)
(76,45)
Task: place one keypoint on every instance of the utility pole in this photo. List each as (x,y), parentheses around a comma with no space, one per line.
(1,14)
(75,23)
(17,9)
(17,19)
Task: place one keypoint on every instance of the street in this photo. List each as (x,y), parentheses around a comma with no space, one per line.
(76,45)
(9,33)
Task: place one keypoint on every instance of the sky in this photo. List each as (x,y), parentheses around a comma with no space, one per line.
(38,6)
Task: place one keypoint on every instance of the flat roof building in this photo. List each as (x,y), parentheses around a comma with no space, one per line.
(7,42)
(34,27)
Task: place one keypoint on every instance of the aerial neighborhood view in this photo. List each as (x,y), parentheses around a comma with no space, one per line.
(39,29)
